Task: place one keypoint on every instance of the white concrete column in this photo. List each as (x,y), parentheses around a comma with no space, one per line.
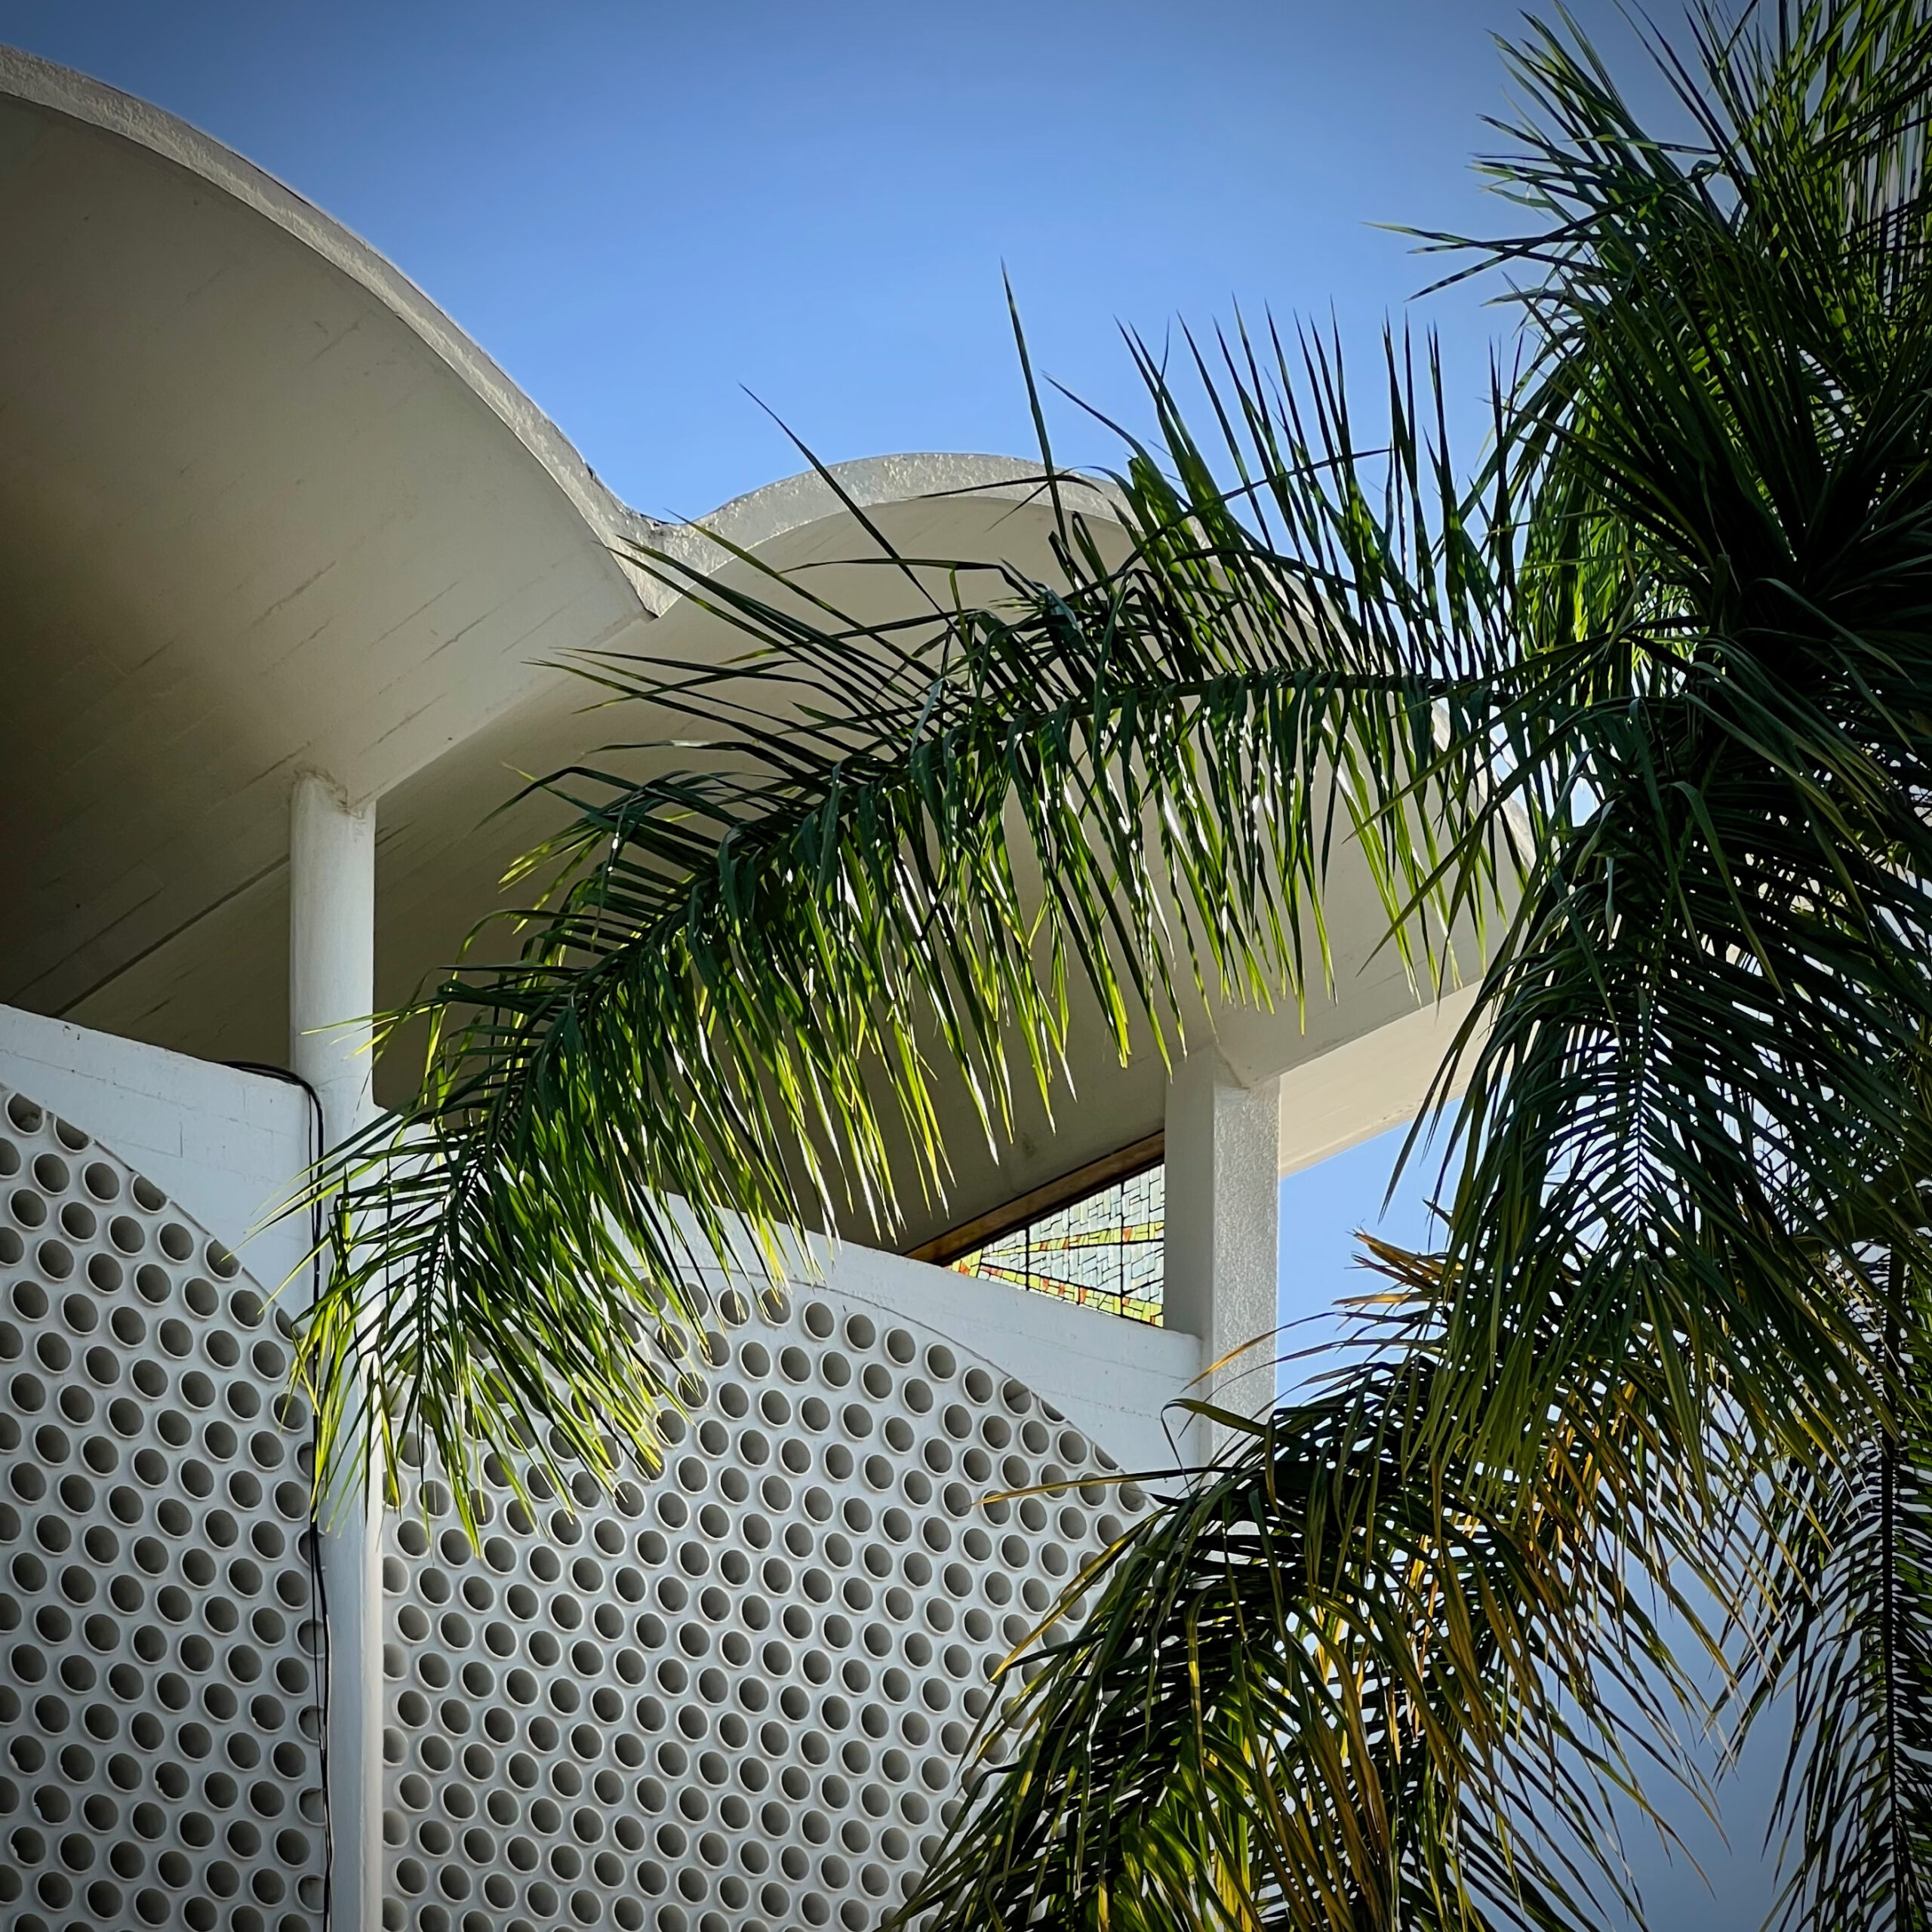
(1223,1232)
(332,981)
(332,949)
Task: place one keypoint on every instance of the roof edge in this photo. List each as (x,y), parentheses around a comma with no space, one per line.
(747,521)
(775,509)
(45,84)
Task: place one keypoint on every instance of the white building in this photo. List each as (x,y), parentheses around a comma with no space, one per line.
(281,555)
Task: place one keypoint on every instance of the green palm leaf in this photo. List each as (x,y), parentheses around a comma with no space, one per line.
(1850,1641)
(1702,1028)
(1346,1681)
(718,1021)
(1652,689)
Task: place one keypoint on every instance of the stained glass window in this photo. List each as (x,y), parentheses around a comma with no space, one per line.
(1103,1250)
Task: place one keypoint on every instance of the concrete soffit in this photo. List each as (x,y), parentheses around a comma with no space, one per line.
(377,744)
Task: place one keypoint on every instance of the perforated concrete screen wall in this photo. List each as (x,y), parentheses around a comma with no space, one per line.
(736,1695)
(158,1698)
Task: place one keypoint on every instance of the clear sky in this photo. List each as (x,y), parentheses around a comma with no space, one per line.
(644,210)
(641,211)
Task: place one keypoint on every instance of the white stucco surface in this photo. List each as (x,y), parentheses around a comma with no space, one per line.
(1111,1378)
(226,1145)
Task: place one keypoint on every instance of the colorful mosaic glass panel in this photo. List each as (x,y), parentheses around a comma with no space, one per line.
(1104,1251)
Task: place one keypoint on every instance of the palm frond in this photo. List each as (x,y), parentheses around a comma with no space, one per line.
(1845,1655)
(1702,1031)
(1347,1680)
(715,1026)
(1651,686)
(1702,1028)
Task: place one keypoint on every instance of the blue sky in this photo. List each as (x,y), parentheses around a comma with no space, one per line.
(644,210)
(1322,1207)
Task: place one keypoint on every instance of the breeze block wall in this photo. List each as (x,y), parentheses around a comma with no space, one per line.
(159,1702)
(736,1696)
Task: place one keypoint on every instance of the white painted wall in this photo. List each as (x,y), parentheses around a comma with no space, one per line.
(1111,1378)
(226,1145)
(229,1146)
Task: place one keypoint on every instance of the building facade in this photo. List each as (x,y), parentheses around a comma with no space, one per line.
(284,562)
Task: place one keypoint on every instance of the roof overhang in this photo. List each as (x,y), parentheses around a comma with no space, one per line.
(264,509)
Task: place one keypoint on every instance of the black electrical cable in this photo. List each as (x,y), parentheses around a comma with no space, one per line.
(318,1594)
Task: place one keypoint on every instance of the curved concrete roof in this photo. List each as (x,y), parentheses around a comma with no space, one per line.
(264,509)
(27,80)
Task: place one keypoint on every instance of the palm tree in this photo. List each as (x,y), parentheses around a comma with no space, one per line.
(1648,695)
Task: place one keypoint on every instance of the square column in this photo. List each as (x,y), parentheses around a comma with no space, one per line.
(1223,1231)
(331,995)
